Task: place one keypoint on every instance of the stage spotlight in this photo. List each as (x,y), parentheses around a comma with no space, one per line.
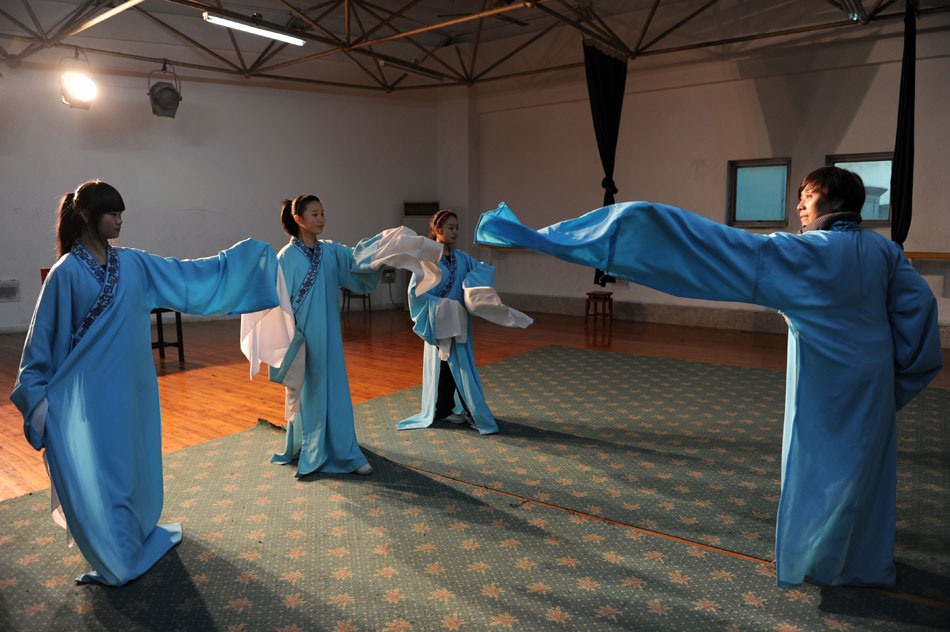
(164,95)
(75,81)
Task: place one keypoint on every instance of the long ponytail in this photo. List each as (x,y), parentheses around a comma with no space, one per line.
(287,218)
(69,225)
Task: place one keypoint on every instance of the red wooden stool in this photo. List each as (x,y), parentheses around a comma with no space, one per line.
(601,301)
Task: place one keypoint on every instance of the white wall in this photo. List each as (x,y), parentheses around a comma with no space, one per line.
(211,176)
(457,160)
(216,173)
(680,126)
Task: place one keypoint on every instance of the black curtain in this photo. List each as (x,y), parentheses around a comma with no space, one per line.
(902,169)
(606,78)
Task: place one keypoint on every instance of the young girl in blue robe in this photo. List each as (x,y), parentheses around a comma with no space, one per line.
(451,389)
(863,341)
(87,387)
(301,340)
(321,435)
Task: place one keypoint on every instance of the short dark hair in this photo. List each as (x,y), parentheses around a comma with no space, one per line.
(289,208)
(835,184)
(96,198)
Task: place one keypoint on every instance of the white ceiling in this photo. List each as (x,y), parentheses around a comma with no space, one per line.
(391,46)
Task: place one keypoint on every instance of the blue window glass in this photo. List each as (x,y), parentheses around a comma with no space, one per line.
(758,192)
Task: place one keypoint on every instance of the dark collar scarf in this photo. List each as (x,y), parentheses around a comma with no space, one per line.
(825,222)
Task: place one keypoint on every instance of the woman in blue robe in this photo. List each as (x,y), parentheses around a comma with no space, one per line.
(321,435)
(87,387)
(863,341)
(451,389)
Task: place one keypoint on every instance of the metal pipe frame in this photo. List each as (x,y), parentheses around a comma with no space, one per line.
(591,25)
(368,7)
(125,6)
(237,49)
(676,26)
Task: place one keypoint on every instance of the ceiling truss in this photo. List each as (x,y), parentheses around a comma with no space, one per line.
(367,27)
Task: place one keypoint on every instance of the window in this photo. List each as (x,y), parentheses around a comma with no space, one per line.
(758,192)
(875,170)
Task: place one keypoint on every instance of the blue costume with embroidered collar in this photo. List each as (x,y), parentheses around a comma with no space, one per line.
(863,341)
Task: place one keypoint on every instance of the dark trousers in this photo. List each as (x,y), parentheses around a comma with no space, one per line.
(445,401)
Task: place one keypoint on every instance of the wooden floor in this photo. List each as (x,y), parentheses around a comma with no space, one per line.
(211,395)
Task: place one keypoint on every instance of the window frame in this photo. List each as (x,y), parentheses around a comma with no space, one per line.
(732,191)
(832,160)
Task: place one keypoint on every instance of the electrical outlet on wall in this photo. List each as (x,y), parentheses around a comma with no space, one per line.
(389,275)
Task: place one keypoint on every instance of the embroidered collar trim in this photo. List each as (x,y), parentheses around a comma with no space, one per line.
(314,256)
(108,278)
(449,261)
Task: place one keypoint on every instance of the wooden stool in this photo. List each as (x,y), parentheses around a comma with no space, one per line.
(602,301)
(160,331)
(348,295)
(598,337)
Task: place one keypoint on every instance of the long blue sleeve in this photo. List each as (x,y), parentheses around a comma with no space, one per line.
(350,276)
(422,312)
(48,343)
(912,313)
(659,246)
(238,280)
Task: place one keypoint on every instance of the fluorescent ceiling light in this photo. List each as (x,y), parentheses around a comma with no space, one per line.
(256,30)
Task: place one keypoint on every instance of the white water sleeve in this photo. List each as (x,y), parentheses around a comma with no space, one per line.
(266,335)
(484,302)
(401,247)
(451,323)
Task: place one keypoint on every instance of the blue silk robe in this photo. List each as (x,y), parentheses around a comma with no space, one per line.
(321,435)
(462,357)
(88,353)
(863,341)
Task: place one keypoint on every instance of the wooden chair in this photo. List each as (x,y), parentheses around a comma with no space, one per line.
(601,301)
(161,343)
(348,296)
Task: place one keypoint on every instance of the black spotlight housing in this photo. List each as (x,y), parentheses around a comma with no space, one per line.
(164,95)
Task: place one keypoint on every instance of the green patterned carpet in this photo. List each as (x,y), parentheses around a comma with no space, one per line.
(652,443)
(688,449)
